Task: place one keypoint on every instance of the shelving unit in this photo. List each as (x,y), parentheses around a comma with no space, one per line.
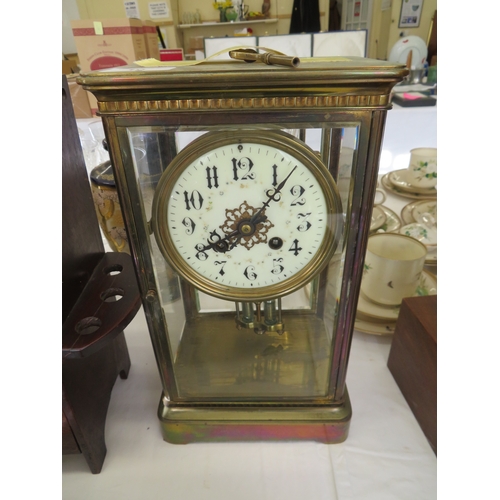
(228,24)
(260,27)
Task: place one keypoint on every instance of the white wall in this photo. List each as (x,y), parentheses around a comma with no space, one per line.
(69,13)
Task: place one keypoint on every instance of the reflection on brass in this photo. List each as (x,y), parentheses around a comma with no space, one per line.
(215,359)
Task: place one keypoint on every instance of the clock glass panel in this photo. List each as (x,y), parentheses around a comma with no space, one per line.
(247,226)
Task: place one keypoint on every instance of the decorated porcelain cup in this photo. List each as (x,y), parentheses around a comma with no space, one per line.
(392,269)
(422,171)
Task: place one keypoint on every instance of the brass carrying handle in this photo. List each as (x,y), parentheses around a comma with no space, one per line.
(251,55)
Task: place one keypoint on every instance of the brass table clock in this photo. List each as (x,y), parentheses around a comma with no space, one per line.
(253,186)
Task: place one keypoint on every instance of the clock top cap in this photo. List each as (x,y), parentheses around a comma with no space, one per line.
(239,74)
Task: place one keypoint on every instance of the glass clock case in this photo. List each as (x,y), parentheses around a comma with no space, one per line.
(247,194)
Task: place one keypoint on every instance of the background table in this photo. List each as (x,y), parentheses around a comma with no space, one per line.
(386,455)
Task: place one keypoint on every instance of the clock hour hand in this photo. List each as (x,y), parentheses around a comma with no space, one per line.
(272,195)
(245,228)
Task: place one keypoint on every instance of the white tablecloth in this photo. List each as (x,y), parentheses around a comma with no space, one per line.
(386,455)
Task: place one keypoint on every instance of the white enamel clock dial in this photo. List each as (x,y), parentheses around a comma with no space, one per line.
(247,215)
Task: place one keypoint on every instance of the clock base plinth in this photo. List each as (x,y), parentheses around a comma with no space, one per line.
(185,424)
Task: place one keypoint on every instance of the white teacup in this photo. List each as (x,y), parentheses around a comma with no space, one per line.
(393,265)
(422,171)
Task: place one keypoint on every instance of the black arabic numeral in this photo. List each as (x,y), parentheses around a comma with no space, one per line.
(295,247)
(201,254)
(235,169)
(189,224)
(212,174)
(304,223)
(221,263)
(250,273)
(275,175)
(297,191)
(277,267)
(244,165)
(195,200)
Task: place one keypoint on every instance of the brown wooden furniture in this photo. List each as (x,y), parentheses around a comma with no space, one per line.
(413,360)
(100,297)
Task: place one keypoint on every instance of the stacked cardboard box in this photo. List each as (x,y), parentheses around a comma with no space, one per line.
(108,43)
(151,38)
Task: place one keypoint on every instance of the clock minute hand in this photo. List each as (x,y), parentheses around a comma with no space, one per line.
(272,195)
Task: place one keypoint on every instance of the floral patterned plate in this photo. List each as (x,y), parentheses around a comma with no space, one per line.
(367,308)
(399,179)
(425,207)
(414,208)
(392,221)
(425,234)
(386,183)
(432,258)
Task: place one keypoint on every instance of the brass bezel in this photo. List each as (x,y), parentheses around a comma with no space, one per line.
(280,140)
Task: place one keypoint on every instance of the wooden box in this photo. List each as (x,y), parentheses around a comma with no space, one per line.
(413,360)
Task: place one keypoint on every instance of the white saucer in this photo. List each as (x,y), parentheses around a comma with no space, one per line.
(420,207)
(373,328)
(427,286)
(432,258)
(425,207)
(399,179)
(392,221)
(425,234)
(378,218)
(386,183)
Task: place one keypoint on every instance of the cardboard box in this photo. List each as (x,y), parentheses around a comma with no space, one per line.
(151,38)
(79,98)
(69,67)
(196,43)
(413,360)
(107,43)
